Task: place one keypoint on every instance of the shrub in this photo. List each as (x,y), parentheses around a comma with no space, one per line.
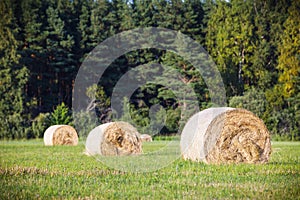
(61,115)
(253,100)
(280,118)
(12,127)
(155,120)
(39,125)
(84,122)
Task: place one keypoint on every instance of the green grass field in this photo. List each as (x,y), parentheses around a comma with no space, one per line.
(29,170)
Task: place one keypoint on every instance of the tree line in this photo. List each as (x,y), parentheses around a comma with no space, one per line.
(254,43)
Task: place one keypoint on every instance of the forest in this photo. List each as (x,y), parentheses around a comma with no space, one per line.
(255,45)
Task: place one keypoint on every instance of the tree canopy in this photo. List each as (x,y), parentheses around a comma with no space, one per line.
(254,43)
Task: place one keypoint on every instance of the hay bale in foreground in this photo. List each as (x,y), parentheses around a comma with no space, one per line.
(60,135)
(114,138)
(146,138)
(225,135)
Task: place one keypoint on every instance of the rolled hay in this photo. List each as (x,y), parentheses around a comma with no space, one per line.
(114,138)
(146,138)
(225,135)
(60,135)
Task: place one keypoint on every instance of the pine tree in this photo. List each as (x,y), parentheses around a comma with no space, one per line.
(13,76)
(33,51)
(60,57)
(93,24)
(61,115)
(84,27)
(146,13)
(120,16)
(184,16)
(48,51)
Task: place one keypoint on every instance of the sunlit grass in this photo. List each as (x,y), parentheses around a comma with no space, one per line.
(30,170)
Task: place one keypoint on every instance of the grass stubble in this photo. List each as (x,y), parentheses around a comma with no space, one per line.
(30,170)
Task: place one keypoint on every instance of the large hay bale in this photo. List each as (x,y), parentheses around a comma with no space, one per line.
(225,135)
(114,138)
(60,135)
(146,138)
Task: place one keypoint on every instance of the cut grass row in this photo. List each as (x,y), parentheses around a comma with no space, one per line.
(29,170)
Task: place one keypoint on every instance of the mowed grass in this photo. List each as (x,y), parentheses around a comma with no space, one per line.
(30,170)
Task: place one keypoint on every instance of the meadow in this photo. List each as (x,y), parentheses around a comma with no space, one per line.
(30,170)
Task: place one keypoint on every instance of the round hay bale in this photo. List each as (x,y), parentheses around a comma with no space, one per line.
(225,135)
(60,135)
(146,138)
(114,138)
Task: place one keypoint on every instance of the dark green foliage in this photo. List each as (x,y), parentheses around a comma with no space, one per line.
(84,122)
(281,122)
(154,119)
(39,126)
(61,115)
(126,116)
(253,100)
(13,76)
(255,45)
(99,103)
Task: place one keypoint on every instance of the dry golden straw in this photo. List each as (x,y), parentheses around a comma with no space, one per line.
(114,138)
(60,135)
(146,138)
(226,135)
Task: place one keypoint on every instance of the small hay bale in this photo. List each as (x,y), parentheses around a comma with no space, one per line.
(60,135)
(114,138)
(225,135)
(146,138)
